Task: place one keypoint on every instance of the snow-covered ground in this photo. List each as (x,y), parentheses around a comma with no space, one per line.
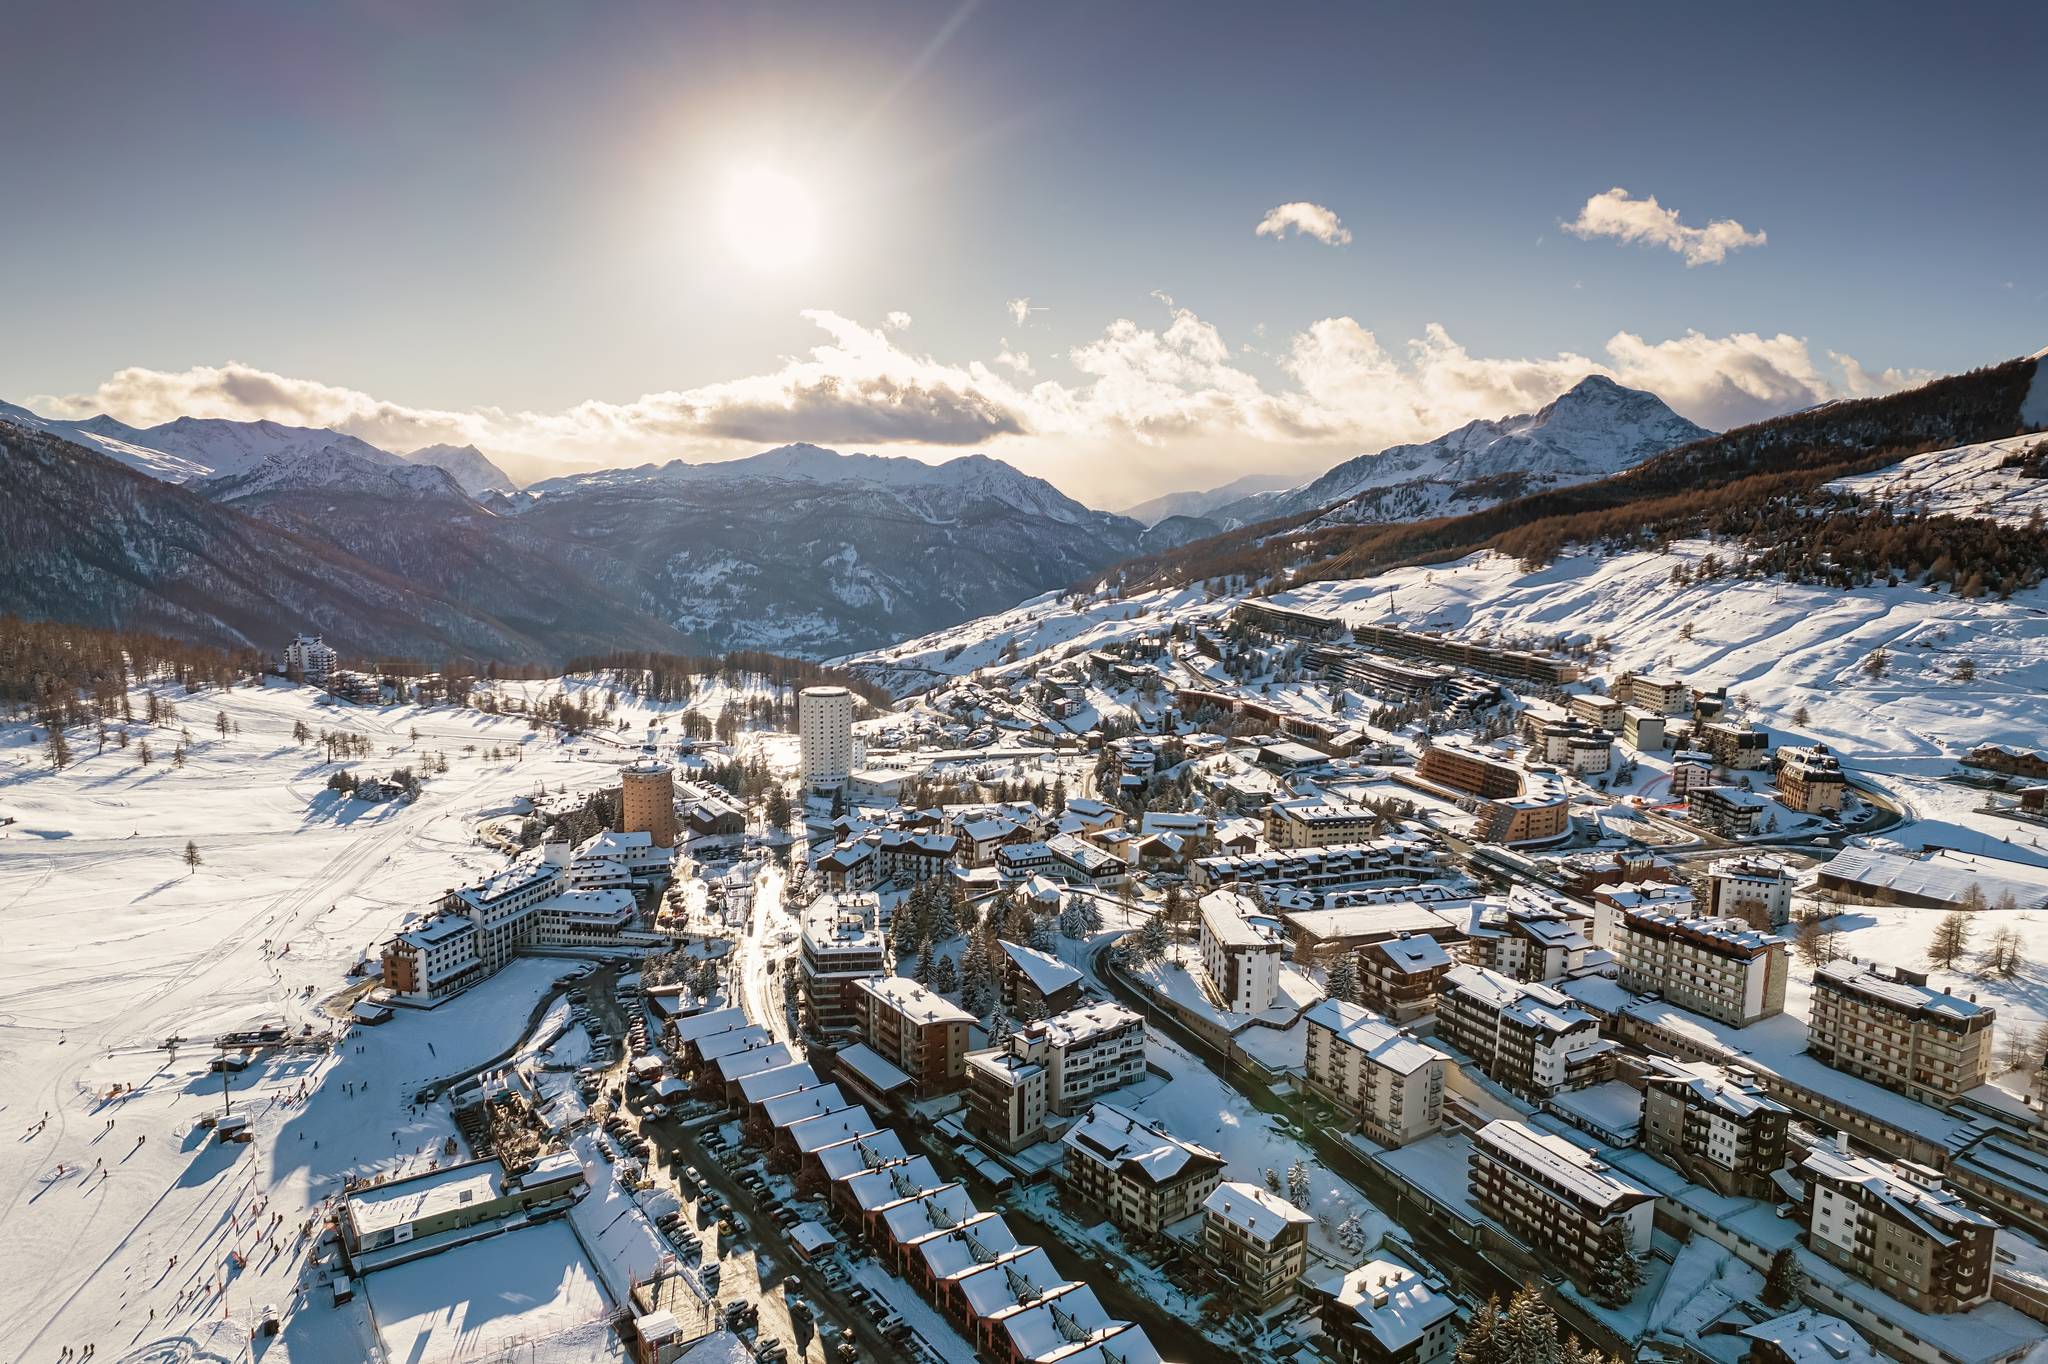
(480,1300)
(115,945)
(1969,480)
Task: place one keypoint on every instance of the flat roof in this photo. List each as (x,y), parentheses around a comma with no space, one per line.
(405,1201)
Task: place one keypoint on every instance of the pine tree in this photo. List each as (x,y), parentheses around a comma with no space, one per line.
(1298,1192)
(1782,1284)
(1481,1342)
(143,755)
(1152,941)
(58,747)
(944,915)
(1272,1181)
(221,723)
(1343,978)
(1951,937)
(192,857)
(1527,1332)
(945,976)
(1616,1279)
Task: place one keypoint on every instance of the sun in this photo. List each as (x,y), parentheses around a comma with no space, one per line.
(770,220)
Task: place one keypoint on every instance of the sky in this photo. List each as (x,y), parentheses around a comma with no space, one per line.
(1131,248)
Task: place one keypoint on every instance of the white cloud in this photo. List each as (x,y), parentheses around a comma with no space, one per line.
(1619,215)
(897,321)
(1020,310)
(1155,406)
(1307,220)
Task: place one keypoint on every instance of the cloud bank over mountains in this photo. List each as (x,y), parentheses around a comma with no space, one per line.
(1171,399)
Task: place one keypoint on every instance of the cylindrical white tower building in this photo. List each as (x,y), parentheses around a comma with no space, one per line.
(825,721)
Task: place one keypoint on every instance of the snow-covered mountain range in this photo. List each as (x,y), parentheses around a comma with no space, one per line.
(1594,429)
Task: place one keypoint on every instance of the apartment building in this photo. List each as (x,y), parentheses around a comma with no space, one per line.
(1514,805)
(1735,745)
(1400,858)
(1890,1028)
(1527,936)
(1610,902)
(1400,977)
(1386,1313)
(1754,887)
(647,800)
(310,657)
(1520,665)
(1005,1098)
(1387,1080)
(1604,711)
(917,1030)
(1895,1226)
(906,857)
(1559,1199)
(551,896)
(1376,673)
(841,947)
(1051,1067)
(1555,735)
(1139,1175)
(1717,1128)
(1240,953)
(825,728)
(1292,824)
(1321,922)
(1690,770)
(1526,1036)
(1037,983)
(1643,729)
(1255,1243)
(1719,967)
(1810,780)
(1665,695)
(1726,810)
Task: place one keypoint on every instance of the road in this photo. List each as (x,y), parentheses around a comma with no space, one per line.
(748,1276)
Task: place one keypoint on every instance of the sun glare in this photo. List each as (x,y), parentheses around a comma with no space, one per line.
(770,221)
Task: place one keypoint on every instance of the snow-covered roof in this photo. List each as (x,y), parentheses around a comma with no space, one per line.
(976,1241)
(710,1023)
(1737,1096)
(881,1074)
(1524,1001)
(1047,973)
(794,1107)
(916,1002)
(1414,952)
(931,1210)
(1906,995)
(887,1184)
(1261,1213)
(732,1041)
(1810,1336)
(1085,1024)
(1109,1135)
(1393,1302)
(777,1081)
(862,1151)
(740,1064)
(1226,918)
(1560,1162)
(1019,1275)
(815,1134)
(1914,1197)
(405,1201)
(1384,1043)
(1937,878)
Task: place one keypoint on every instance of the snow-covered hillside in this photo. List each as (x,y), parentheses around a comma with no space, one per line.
(1595,429)
(330,468)
(1991,480)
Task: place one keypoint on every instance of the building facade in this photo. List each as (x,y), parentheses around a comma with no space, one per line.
(825,729)
(917,1030)
(1241,957)
(1717,1128)
(1890,1028)
(647,801)
(1895,1226)
(1722,968)
(1385,1079)
(1138,1174)
(1255,1244)
(1559,1199)
(1524,1035)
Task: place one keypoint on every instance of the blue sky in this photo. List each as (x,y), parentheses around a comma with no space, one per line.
(638,231)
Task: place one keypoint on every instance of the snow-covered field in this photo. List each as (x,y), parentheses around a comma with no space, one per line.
(1968,480)
(114,945)
(480,1300)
